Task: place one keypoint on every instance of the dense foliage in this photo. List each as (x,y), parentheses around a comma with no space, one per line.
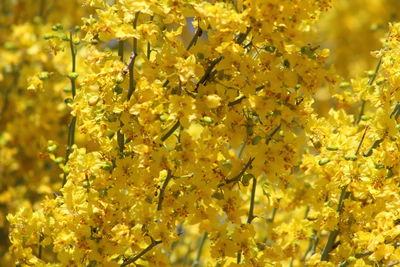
(199,133)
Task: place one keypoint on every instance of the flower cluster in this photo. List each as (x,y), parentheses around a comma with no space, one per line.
(173,133)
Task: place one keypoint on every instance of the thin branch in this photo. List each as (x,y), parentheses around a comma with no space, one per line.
(185,258)
(269,138)
(374,145)
(343,195)
(130,64)
(130,67)
(310,244)
(144,251)
(162,190)
(329,245)
(41,8)
(196,36)
(208,71)
(239,257)
(88,183)
(260,87)
(361,141)
(165,84)
(73,52)
(357,256)
(242,148)
(148,44)
(239,176)
(253,195)
(73,55)
(71,127)
(207,74)
(40,248)
(363,102)
(70,142)
(237,101)
(271,220)
(396,111)
(171,131)
(242,36)
(372,79)
(196,262)
(333,234)
(120,136)
(316,241)
(251,215)
(370,82)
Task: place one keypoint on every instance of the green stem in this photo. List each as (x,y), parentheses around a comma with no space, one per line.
(361,141)
(269,137)
(242,147)
(237,101)
(260,87)
(73,55)
(200,250)
(140,254)
(315,244)
(162,190)
(171,131)
(41,7)
(120,136)
(372,79)
(251,216)
(239,176)
(131,65)
(148,43)
(374,146)
(242,36)
(396,111)
(253,195)
(239,257)
(71,136)
(274,210)
(121,139)
(333,234)
(357,256)
(196,36)
(88,183)
(234,3)
(310,243)
(185,258)
(71,127)
(70,142)
(363,102)
(370,82)
(208,71)
(393,263)
(148,50)
(40,248)
(329,245)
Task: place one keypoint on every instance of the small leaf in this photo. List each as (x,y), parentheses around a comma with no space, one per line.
(246,179)
(351,158)
(256,140)
(218,195)
(332,148)
(323,161)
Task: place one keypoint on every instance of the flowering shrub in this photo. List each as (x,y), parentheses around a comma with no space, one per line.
(177,133)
